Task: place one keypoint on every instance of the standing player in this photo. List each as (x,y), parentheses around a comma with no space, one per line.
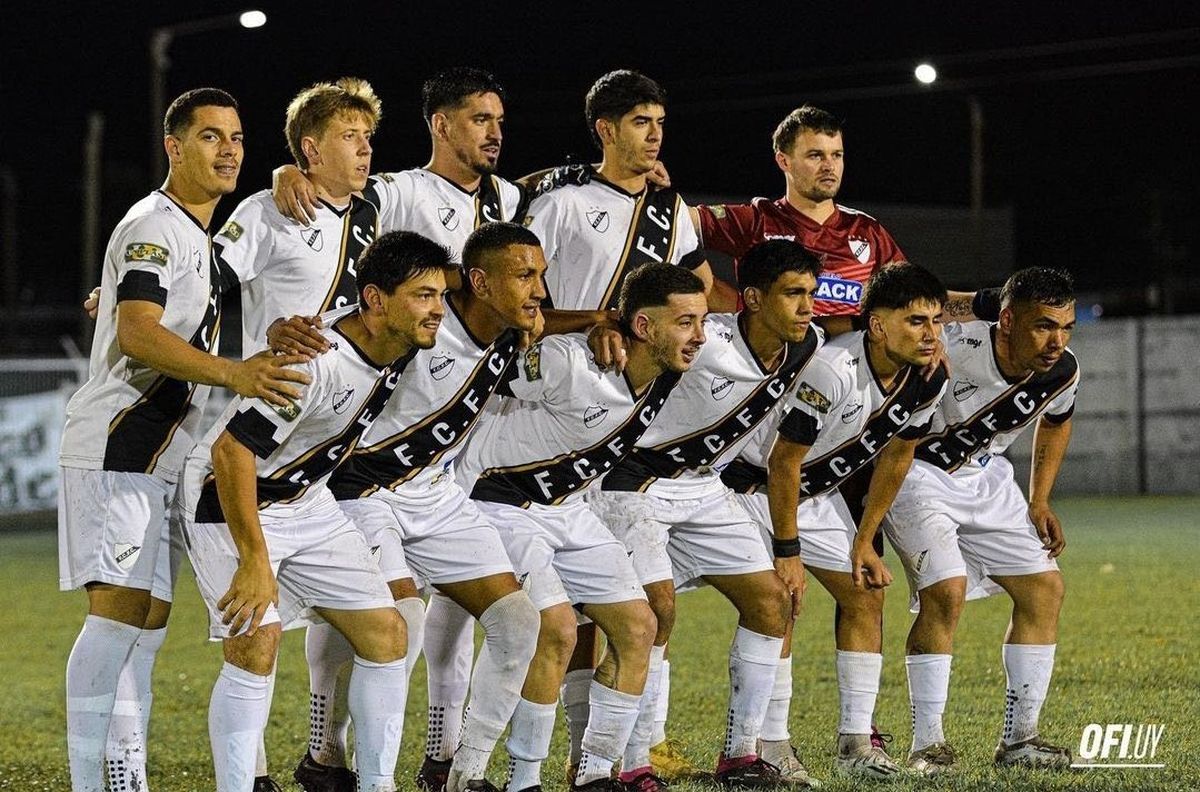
(680,524)
(529,468)
(862,398)
(129,426)
(267,540)
(963,529)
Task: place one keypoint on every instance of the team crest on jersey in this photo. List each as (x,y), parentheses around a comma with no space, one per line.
(963,389)
(387,177)
(813,398)
(232,231)
(312,237)
(289,413)
(341,399)
(861,249)
(126,555)
(851,412)
(448,216)
(145,251)
(718,211)
(594,415)
(533,363)
(441,366)
(598,219)
(720,387)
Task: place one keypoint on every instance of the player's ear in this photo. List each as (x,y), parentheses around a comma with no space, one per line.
(478,280)
(1006,318)
(875,325)
(173,148)
(309,146)
(605,130)
(781,160)
(752,297)
(372,297)
(640,326)
(437,125)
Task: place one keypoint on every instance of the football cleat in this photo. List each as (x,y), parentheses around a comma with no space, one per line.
(863,756)
(431,777)
(792,771)
(932,760)
(599,785)
(1032,753)
(671,763)
(642,780)
(312,776)
(746,772)
(266,784)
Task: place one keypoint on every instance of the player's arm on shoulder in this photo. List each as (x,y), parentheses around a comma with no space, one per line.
(253,586)
(294,195)
(1050,440)
(969,306)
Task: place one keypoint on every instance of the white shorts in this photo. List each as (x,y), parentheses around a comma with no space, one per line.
(446,541)
(825,526)
(974,524)
(564,554)
(687,539)
(320,559)
(116,528)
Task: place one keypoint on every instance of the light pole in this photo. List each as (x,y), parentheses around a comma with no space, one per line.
(926,74)
(160,42)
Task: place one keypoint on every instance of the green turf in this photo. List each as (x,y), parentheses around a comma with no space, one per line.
(1128,654)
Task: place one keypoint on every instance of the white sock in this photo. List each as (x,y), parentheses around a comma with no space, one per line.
(329,657)
(663,705)
(613,715)
(1028,669)
(93,669)
(753,659)
(528,743)
(858,686)
(928,689)
(377,694)
(576,688)
(775,724)
(237,715)
(125,753)
(510,629)
(449,645)
(260,758)
(412,610)
(637,751)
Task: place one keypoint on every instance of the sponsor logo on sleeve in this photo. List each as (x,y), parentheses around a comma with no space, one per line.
(232,231)
(533,363)
(839,290)
(718,211)
(146,251)
(289,413)
(813,398)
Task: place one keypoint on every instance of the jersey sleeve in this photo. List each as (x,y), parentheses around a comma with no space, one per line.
(246,241)
(543,371)
(1062,407)
(149,254)
(729,228)
(888,251)
(544,219)
(384,191)
(806,410)
(687,242)
(515,201)
(262,427)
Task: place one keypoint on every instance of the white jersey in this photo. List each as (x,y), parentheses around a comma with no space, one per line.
(593,234)
(127,416)
(286,269)
(435,207)
(569,423)
(711,414)
(839,409)
(985,411)
(297,448)
(438,399)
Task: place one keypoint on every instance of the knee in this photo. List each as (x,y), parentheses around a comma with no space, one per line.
(254,653)
(1047,592)
(943,601)
(771,606)
(639,628)
(861,605)
(384,639)
(556,633)
(513,623)
(662,603)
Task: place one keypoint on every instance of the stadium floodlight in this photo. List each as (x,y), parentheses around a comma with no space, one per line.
(925,73)
(160,42)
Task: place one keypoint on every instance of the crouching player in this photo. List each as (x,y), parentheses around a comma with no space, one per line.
(962,527)
(265,535)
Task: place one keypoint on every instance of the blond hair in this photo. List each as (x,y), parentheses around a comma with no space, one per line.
(309,114)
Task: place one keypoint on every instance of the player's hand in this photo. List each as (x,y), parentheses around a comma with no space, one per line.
(91,304)
(297,335)
(266,376)
(252,589)
(940,358)
(659,176)
(294,195)
(866,567)
(791,571)
(1049,529)
(607,343)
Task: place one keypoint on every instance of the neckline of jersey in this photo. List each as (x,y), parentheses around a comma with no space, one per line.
(598,179)
(186,213)
(455,184)
(996,359)
(754,355)
(787,207)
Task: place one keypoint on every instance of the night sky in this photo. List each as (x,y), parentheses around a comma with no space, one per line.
(1100,168)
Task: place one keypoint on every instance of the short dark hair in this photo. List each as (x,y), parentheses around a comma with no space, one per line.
(450,89)
(617,93)
(179,115)
(651,286)
(398,256)
(1053,287)
(814,119)
(765,262)
(899,285)
(492,237)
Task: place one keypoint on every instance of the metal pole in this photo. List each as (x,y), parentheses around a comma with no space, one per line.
(89,252)
(160,42)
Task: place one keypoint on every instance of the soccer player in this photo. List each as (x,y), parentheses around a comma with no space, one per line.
(528,469)
(862,398)
(962,528)
(399,490)
(130,425)
(665,501)
(270,547)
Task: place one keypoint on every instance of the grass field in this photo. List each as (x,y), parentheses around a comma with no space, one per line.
(1128,653)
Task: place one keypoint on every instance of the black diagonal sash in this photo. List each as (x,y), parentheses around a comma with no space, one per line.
(360,226)
(651,237)
(488,208)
